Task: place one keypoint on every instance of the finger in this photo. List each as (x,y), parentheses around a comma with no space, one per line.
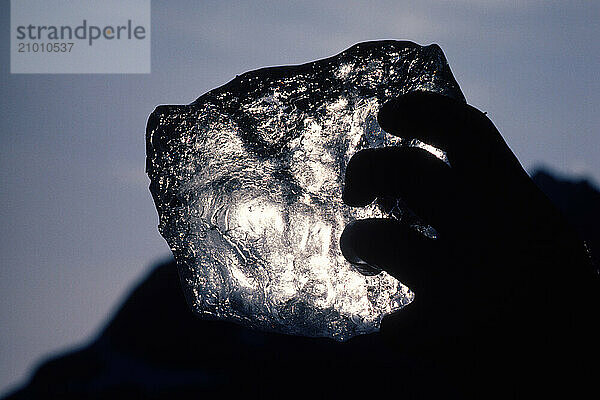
(388,245)
(422,181)
(470,139)
(426,116)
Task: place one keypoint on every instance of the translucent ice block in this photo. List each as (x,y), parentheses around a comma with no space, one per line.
(247,181)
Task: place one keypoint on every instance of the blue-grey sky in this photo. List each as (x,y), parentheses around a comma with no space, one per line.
(78,226)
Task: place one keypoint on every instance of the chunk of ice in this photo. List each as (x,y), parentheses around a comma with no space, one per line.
(247,181)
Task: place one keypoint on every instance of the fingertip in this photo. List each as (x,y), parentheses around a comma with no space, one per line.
(347,245)
(355,198)
(426,116)
(401,110)
(358,182)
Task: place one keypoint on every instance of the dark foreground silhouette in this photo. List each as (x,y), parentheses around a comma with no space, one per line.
(506,298)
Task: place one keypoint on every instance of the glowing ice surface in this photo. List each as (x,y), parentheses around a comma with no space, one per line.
(247,181)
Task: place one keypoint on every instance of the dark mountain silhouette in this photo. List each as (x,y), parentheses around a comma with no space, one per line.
(154,347)
(579,201)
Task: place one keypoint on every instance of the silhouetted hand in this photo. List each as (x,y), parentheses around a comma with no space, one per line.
(506,291)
